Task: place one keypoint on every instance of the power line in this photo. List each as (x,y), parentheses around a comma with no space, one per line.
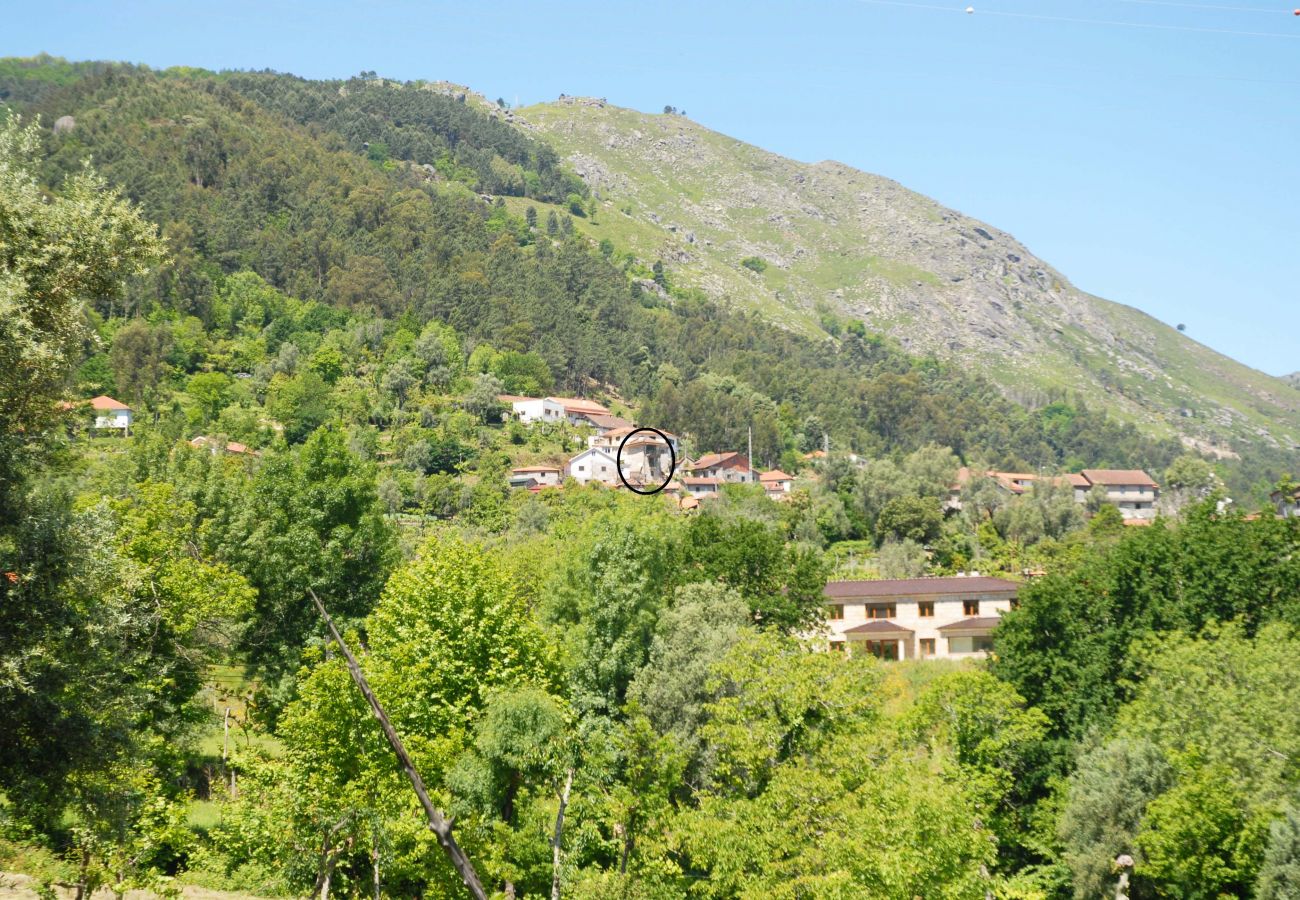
(1078,21)
(1272,10)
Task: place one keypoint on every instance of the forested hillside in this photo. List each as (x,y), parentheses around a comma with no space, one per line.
(372,233)
(312,296)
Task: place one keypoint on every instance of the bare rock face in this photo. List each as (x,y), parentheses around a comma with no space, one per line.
(864,247)
(64,125)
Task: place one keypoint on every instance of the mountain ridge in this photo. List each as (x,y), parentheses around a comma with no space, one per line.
(834,243)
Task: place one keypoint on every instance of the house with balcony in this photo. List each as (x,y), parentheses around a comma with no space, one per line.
(917,618)
(1133,492)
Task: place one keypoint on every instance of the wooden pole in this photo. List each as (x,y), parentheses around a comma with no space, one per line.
(439,824)
(556,856)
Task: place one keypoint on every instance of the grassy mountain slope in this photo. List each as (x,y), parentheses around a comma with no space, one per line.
(839,241)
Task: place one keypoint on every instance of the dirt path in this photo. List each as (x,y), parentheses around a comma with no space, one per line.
(21,887)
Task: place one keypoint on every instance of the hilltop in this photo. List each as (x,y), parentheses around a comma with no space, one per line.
(810,245)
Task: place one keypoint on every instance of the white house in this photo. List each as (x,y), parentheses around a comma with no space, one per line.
(110,413)
(594,464)
(917,618)
(534,409)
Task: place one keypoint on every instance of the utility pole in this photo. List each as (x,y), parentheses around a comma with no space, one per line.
(751,453)
(439,824)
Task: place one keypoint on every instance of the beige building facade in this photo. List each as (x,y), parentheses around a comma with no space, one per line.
(917,618)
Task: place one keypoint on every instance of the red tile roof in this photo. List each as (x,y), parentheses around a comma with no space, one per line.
(775,475)
(701,482)
(923,587)
(732,459)
(1119,476)
(525,469)
(512,398)
(579,406)
(879,626)
(107,403)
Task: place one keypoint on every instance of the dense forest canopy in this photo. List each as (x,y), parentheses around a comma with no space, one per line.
(312,300)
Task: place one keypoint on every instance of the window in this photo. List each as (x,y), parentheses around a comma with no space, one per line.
(582,468)
(1015,603)
(837,646)
(925,609)
(835,613)
(882,611)
(927,647)
(970,607)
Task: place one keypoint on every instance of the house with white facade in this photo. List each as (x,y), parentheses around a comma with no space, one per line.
(110,413)
(594,464)
(917,618)
(534,409)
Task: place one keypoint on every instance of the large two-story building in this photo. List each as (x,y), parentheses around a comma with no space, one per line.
(917,618)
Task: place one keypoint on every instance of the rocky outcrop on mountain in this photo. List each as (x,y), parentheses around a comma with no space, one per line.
(838,244)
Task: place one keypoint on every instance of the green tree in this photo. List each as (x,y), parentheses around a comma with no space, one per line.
(311,518)
(910,519)
(140,360)
(211,390)
(1279,876)
(58,252)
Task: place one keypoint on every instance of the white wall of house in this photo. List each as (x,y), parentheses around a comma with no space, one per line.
(538,410)
(113,418)
(948,609)
(594,465)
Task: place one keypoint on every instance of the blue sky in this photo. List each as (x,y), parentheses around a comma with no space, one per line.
(1149,149)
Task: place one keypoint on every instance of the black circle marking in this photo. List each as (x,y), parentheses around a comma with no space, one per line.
(672,455)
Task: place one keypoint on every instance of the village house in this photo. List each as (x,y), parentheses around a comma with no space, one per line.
(777,484)
(577,410)
(594,464)
(534,409)
(730,467)
(917,618)
(1131,491)
(535,477)
(110,413)
(604,423)
(697,487)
